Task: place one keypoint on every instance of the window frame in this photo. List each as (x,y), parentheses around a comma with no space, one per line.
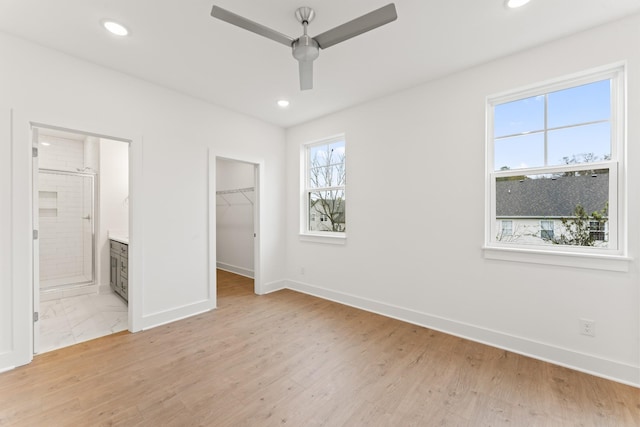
(614,257)
(332,237)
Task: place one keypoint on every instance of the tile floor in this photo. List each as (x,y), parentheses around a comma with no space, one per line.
(68,321)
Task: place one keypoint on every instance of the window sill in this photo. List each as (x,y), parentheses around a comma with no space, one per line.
(566,259)
(332,239)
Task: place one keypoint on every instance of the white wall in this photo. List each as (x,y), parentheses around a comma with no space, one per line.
(234,224)
(113,192)
(421,153)
(8,317)
(171,262)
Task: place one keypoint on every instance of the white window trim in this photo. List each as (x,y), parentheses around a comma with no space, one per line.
(328,237)
(614,258)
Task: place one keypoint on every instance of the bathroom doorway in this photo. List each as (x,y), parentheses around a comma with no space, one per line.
(80,193)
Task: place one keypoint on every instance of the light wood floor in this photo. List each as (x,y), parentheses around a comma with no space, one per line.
(295,360)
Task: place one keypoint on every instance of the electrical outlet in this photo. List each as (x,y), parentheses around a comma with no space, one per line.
(302,271)
(587,327)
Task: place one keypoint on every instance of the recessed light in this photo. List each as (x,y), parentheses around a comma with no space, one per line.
(516,3)
(283,103)
(115,28)
(46,144)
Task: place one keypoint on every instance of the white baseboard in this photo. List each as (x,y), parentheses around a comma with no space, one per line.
(235,269)
(267,288)
(609,369)
(175,314)
(7,368)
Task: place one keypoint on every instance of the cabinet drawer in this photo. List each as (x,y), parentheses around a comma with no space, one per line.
(124,285)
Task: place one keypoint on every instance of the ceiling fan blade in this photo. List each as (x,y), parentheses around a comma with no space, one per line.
(239,21)
(360,25)
(306,74)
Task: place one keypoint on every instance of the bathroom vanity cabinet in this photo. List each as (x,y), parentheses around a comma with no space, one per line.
(119,278)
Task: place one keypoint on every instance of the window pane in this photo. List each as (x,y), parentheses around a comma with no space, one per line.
(327,153)
(547,230)
(523,115)
(326,165)
(338,148)
(317,154)
(507,228)
(327,211)
(327,176)
(318,177)
(580,104)
(597,230)
(519,152)
(580,144)
(554,209)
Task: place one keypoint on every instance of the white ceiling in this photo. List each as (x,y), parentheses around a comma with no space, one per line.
(177,44)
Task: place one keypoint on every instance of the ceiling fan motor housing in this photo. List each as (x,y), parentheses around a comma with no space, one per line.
(305,48)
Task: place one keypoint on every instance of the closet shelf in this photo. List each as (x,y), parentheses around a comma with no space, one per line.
(237,190)
(242,191)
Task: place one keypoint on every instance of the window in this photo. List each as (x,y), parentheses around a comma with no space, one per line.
(554,160)
(324,187)
(507,228)
(546,230)
(597,231)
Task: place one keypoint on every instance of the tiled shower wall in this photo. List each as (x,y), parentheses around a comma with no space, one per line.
(64,202)
(63,154)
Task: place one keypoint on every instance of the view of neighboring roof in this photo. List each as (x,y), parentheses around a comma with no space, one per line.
(551,197)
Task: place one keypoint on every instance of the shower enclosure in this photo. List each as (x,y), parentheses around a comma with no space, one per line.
(66,204)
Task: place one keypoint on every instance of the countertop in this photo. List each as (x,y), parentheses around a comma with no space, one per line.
(118,237)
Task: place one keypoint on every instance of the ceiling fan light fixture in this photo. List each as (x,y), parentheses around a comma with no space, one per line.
(115,28)
(512,4)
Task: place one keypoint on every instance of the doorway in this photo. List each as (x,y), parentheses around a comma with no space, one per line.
(237,219)
(75,179)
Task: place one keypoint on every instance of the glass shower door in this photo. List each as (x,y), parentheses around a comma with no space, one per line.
(66,217)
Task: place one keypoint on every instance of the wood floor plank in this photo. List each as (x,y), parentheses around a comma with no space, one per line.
(291,359)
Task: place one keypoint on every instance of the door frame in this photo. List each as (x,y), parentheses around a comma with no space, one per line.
(258,165)
(135,246)
(35,244)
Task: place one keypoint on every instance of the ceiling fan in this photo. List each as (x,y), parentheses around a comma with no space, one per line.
(305,48)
